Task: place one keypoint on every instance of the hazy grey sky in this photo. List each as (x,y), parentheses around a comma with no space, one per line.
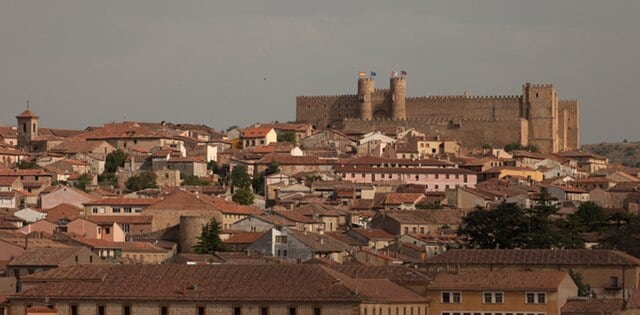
(222,63)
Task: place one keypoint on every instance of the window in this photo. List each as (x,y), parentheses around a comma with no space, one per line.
(535,298)
(613,282)
(73,309)
(264,310)
(293,310)
(281,239)
(127,209)
(94,210)
(237,310)
(164,310)
(125,227)
(101,310)
(318,310)
(126,310)
(492,297)
(115,210)
(107,230)
(450,297)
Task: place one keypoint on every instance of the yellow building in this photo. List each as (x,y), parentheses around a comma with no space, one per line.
(511,171)
(500,292)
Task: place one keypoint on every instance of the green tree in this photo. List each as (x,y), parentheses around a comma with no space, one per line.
(192,180)
(240,178)
(114,160)
(583,289)
(209,240)
(287,136)
(589,217)
(517,146)
(258,184)
(243,196)
(274,167)
(213,166)
(142,181)
(83,181)
(23,165)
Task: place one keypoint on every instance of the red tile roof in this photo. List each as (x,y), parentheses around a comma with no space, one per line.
(400,198)
(45,256)
(63,210)
(172,282)
(27,114)
(256,132)
(244,238)
(374,234)
(554,257)
(582,306)
(506,280)
(121,201)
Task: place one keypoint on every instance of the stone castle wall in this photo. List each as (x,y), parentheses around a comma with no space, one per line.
(552,124)
(471,133)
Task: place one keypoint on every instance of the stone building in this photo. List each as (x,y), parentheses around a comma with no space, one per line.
(536,117)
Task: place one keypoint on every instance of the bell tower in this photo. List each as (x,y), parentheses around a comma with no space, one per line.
(27,128)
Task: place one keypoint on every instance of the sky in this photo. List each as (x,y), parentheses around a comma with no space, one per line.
(83,63)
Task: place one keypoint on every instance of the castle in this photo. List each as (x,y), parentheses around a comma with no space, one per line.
(536,117)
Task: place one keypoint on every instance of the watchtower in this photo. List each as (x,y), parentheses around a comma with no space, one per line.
(27,128)
(366,87)
(398,88)
(541,104)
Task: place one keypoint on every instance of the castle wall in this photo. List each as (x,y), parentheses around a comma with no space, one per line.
(571,123)
(552,125)
(471,133)
(500,107)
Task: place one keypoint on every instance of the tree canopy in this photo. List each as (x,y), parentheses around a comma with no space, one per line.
(142,181)
(511,226)
(243,196)
(240,178)
(114,160)
(209,240)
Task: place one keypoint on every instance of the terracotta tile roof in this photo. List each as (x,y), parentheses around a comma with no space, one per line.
(61,211)
(588,306)
(374,234)
(76,146)
(126,130)
(274,147)
(27,114)
(8,132)
(120,219)
(377,290)
(121,201)
(244,238)
(400,198)
(378,161)
(44,256)
(498,280)
(535,257)
(286,159)
(23,172)
(570,189)
(440,217)
(183,200)
(398,274)
(32,242)
(625,187)
(318,242)
(8,181)
(344,168)
(296,216)
(287,127)
(171,282)
(256,132)
(346,238)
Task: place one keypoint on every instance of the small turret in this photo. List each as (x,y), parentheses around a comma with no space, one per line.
(27,127)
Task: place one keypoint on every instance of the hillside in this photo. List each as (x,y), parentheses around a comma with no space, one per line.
(625,153)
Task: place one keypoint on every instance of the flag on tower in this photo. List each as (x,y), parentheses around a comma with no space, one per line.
(373,74)
(403,72)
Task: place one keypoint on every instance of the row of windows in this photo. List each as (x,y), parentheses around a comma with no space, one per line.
(416,176)
(411,310)
(117,210)
(491,297)
(200,310)
(489,313)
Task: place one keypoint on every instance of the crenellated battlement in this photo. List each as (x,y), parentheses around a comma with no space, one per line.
(462,97)
(434,120)
(316,97)
(538,86)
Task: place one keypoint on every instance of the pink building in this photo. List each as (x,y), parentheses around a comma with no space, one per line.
(433,178)
(95,230)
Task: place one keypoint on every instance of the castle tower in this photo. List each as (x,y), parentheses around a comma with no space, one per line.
(541,104)
(398,87)
(366,87)
(27,128)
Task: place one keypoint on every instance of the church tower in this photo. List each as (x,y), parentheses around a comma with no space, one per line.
(27,128)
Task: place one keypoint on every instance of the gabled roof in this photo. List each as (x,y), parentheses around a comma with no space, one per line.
(439,217)
(256,132)
(183,200)
(593,257)
(401,198)
(61,211)
(593,306)
(506,280)
(374,234)
(297,283)
(121,201)
(318,242)
(44,256)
